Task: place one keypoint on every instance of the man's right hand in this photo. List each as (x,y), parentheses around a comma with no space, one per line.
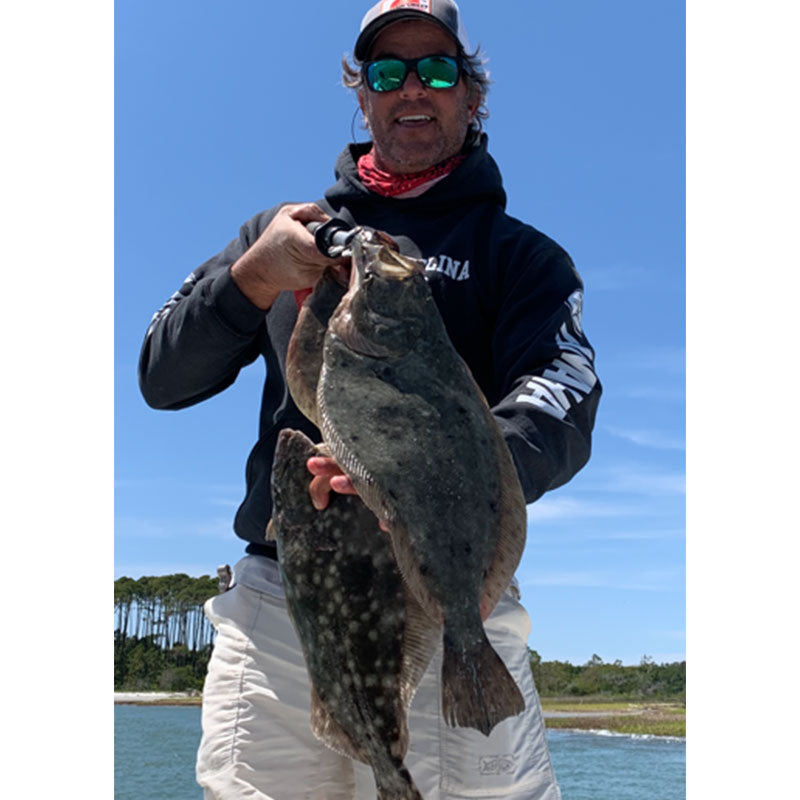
(284,257)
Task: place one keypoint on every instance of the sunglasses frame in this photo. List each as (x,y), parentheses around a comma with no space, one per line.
(412,64)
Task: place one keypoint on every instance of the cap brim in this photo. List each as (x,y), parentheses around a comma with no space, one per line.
(368,35)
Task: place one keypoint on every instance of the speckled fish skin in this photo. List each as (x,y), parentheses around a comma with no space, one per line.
(366,642)
(405,420)
(304,354)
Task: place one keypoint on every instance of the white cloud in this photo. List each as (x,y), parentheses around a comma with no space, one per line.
(671,393)
(145,528)
(639,534)
(653,483)
(665,359)
(649,438)
(225,502)
(564,507)
(572,534)
(660,580)
(636,478)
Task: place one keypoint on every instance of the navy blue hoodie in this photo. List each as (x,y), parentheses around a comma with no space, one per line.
(509,296)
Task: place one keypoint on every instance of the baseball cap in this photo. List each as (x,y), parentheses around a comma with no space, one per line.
(444,13)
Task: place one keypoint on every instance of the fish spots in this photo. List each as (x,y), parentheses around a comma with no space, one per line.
(348,606)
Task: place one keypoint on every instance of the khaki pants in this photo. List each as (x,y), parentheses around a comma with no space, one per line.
(257,741)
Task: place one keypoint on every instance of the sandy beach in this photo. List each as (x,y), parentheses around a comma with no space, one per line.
(143,698)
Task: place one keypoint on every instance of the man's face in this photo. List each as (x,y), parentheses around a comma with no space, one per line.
(403,144)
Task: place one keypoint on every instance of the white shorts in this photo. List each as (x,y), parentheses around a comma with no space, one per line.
(257,741)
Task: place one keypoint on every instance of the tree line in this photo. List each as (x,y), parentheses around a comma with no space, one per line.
(163,641)
(647,680)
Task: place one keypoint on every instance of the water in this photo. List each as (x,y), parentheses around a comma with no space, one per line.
(154,752)
(155,747)
(591,766)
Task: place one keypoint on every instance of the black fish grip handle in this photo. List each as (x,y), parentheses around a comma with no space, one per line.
(333,237)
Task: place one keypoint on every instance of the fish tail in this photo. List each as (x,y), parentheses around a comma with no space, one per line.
(396,784)
(477,688)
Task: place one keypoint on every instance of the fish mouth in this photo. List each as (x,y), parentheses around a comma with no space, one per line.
(376,254)
(392,266)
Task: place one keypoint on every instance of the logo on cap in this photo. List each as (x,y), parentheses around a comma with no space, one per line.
(417,5)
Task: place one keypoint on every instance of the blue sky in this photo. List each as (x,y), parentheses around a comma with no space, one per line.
(224,109)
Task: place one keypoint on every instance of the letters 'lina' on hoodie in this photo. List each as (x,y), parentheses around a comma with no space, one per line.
(510,298)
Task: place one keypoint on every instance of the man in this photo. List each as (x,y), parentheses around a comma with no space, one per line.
(511,301)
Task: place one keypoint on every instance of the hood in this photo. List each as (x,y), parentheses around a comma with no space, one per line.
(477,178)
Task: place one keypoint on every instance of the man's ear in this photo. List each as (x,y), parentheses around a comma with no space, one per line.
(473,104)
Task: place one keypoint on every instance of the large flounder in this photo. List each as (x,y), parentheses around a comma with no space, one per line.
(366,643)
(405,420)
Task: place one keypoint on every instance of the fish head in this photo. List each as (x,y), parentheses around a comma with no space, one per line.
(294,519)
(383,312)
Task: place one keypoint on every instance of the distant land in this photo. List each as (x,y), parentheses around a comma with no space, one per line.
(162,644)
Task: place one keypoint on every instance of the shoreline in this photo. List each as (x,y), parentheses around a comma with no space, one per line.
(635,720)
(158,698)
(191,698)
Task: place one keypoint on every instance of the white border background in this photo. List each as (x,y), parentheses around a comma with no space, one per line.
(57,325)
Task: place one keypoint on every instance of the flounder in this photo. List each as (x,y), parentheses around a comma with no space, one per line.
(405,420)
(365,640)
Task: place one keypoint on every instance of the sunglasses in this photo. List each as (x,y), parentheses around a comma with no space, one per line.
(435,72)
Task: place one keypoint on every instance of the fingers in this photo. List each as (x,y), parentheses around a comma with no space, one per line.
(307,212)
(328,477)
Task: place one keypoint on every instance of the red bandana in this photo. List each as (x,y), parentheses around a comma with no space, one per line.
(390,185)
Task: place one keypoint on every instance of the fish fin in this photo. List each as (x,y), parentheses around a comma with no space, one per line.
(304,353)
(512,523)
(477,688)
(413,581)
(422,635)
(396,784)
(330,732)
(355,470)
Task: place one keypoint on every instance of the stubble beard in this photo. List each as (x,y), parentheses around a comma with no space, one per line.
(409,155)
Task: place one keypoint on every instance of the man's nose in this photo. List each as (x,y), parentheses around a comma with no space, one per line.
(412,86)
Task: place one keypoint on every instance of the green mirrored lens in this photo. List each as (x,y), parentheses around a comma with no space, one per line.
(386,75)
(435,72)
(438,72)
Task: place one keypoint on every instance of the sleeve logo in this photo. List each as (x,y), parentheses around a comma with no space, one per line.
(568,378)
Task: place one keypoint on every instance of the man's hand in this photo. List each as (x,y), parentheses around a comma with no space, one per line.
(328,477)
(284,257)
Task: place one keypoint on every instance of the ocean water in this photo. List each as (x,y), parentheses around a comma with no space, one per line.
(155,746)
(607,766)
